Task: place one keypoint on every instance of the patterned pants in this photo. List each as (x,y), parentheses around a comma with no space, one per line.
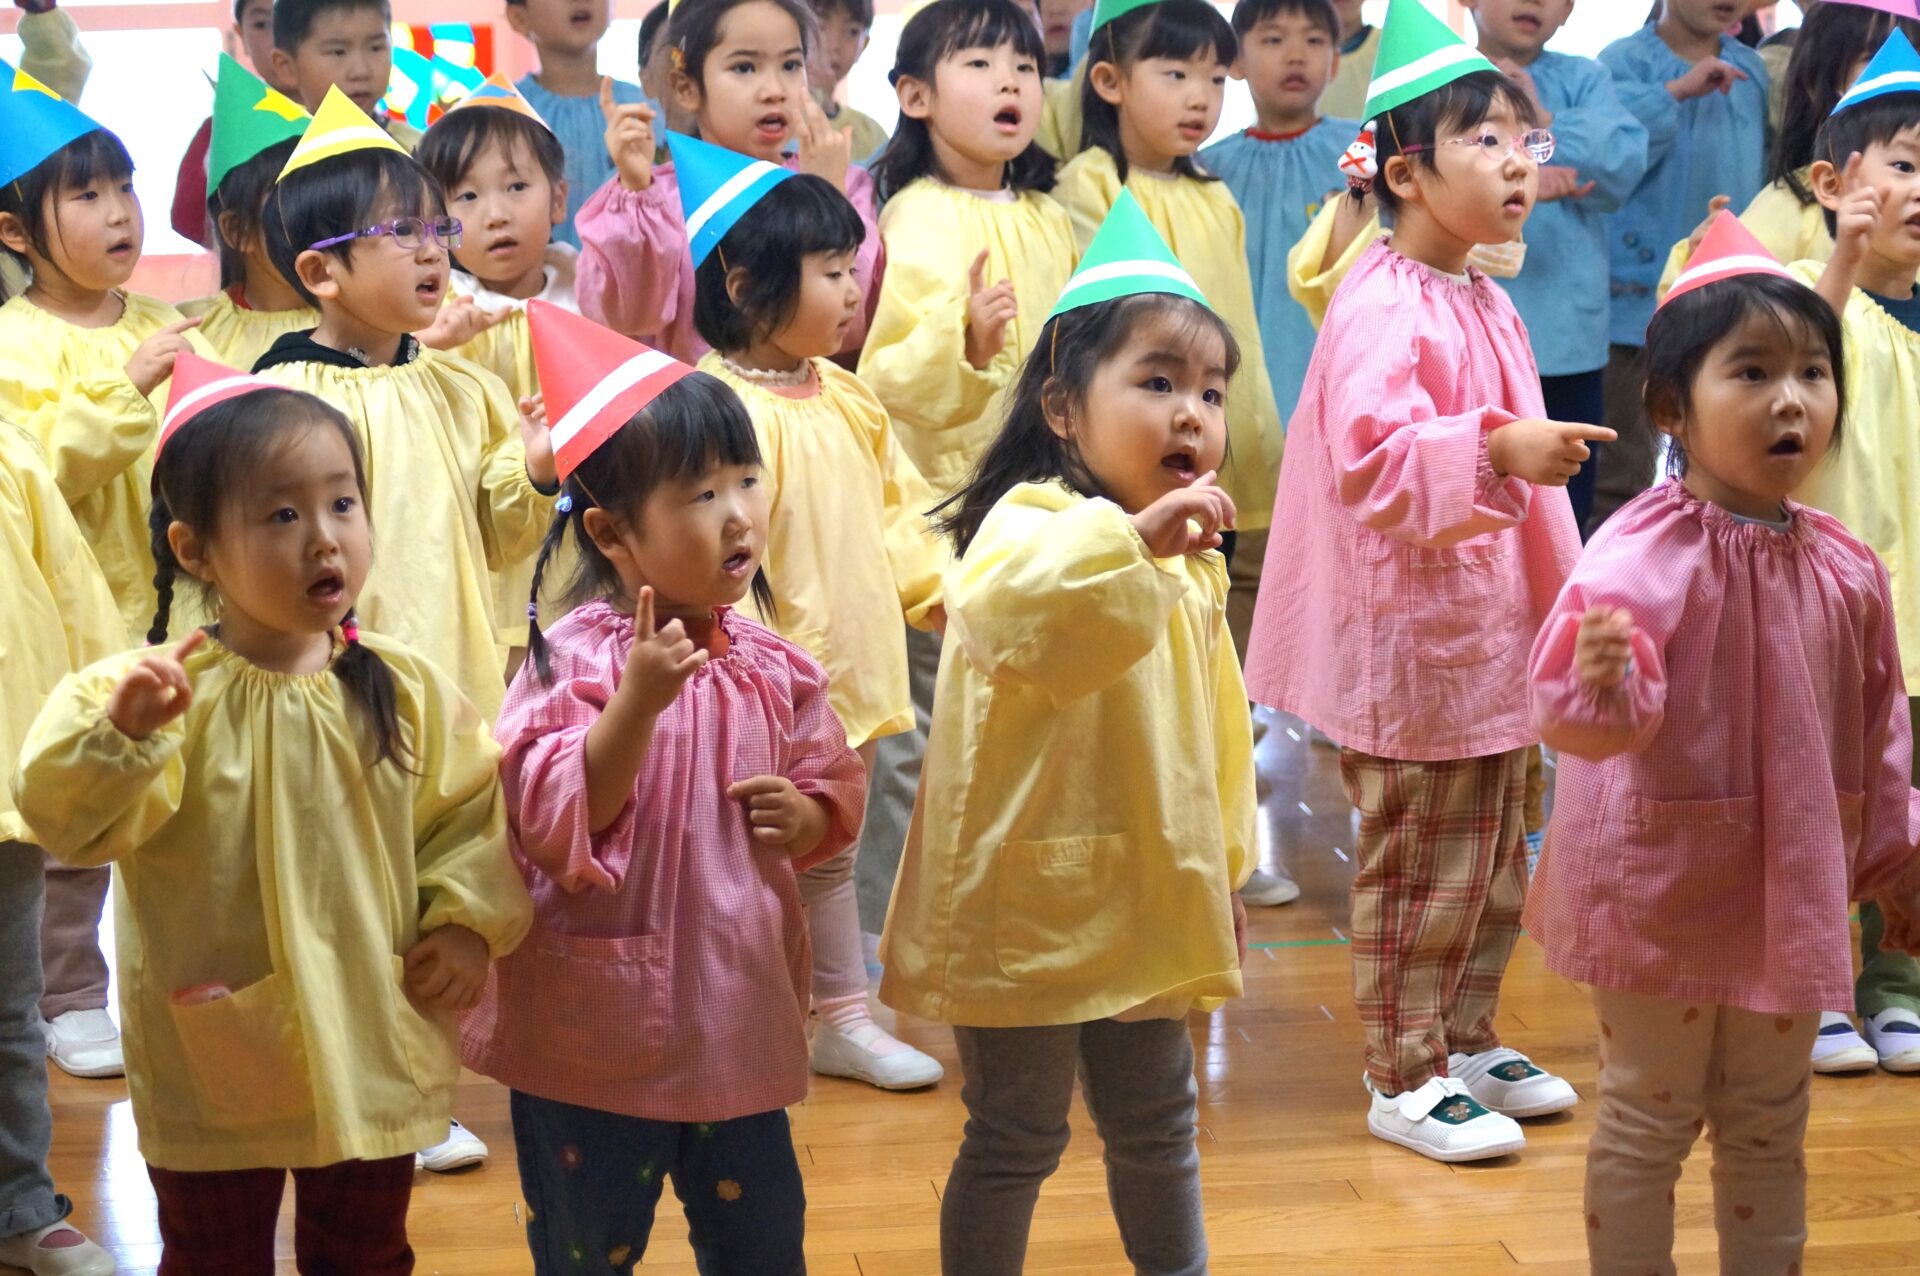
(350,1219)
(1668,1069)
(1440,881)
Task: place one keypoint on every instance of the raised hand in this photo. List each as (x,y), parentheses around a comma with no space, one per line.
(989,311)
(1604,646)
(155,691)
(1186,521)
(153,361)
(1541,451)
(660,662)
(1860,212)
(1715,206)
(781,815)
(457,322)
(825,151)
(447,969)
(1708,75)
(541,467)
(629,138)
(1560,182)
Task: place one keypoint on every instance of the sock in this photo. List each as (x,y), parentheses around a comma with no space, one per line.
(850,1017)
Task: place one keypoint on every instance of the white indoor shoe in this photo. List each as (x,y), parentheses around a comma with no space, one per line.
(1443,1122)
(71,1254)
(1895,1035)
(869,1053)
(1269,890)
(1840,1048)
(85,1043)
(460,1149)
(1511,1084)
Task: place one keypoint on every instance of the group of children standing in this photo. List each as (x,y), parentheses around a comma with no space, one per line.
(690,543)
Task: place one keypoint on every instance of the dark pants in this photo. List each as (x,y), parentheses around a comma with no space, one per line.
(349,1219)
(593,1178)
(1581,397)
(27,1199)
(1627,466)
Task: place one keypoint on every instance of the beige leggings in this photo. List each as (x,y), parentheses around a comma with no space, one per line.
(1669,1069)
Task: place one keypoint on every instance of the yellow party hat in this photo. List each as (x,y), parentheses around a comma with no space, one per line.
(338,127)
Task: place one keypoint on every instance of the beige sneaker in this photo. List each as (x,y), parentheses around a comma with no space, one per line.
(85,1043)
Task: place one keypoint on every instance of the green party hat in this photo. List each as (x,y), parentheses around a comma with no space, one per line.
(1126,256)
(248,117)
(1418,54)
(1105,11)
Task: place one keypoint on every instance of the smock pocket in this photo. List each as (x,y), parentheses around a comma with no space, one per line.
(601,1004)
(247,1054)
(428,1037)
(1690,865)
(1462,611)
(1061,912)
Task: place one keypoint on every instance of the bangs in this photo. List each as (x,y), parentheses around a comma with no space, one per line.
(459,138)
(1178,29)
(985,27)
(1470,99)
(698,423)
(86,159)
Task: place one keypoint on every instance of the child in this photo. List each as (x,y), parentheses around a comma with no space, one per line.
(1057,20)
(739,66)
(253,26)
(1359,47)
(1086,816)
(1421,538)
(656,73)
(319,45)
(59,617)
(845,26)
(1153,95)
(656,1023)
(1702,96)
(254,131)
(1704,845)
(309,841)
(848,548)
(565,92)
(1863,175)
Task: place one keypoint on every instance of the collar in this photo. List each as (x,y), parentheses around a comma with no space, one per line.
(1261,135)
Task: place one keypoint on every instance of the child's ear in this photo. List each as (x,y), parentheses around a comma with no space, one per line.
(1054,405)
(232,230)
(737,281)
(916,97)
(685,91)
(283,69)
(14,235)
(1397,173)
(517,17)
(557,212)
(1824,180)
(1106,80)
(316,272)
(189,551)
(605,536)
(1238,69)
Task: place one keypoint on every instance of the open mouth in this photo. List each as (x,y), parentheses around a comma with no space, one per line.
(121,249)
(738,562)
(502,247)
(1193,130)
(1790,445)
(1007,119)
(327,589)
(1182,462)
(428,289)
(1516,203)
(581,17)
(771,125)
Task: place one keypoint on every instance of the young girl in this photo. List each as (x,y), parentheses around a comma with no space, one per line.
(670,769)
(849,550)
(1086,813)
(1422,538)
(1154,87)
(1704,846)
(310,847)
(739,66)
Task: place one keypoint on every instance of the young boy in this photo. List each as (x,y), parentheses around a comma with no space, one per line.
(1057,19)
(318,44)
(1702,96)
(845,26)
(253,24)
(1864,174)
(566,90)
(1359,46)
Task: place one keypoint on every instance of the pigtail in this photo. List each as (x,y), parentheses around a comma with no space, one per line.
(556,534)
(165,568)
(369,681)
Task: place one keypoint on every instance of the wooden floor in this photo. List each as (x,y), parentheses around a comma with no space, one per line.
(1293,1182)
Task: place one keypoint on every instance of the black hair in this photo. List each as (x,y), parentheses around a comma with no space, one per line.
(1875,122)
(240,7)
(1249,14)
(694,29)
(1831,40)
(1172,29)
(81,162)
(861,11)
(340,195)
(458,138)
(694,424)
(215,456)
(932,35)
(803,214)
(293,19)
(1685,330)
(1061,367)
(1458,104)
(243,192)
(650,28)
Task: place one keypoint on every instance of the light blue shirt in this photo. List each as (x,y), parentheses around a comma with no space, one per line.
(582,131)
(1280,186)
(1711,145)
(1082,37)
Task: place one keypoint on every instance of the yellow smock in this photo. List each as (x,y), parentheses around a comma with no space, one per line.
(1312,286)
(945,410)
(258,846)
(506,350)
(450,501)
(849,550)
(1061,123)
(240,335)
(1208,234)
(1787,228)
(1086,808)
(59,614)
(1345,96)
(1871,482)
(68,386)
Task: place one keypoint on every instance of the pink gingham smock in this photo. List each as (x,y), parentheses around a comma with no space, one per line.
(1716,811)
(1404,581)
(636,272)
(666,975)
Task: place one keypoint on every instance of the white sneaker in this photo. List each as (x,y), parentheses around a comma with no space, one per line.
(1895,1035)
(1839,1048)
(85,1043)
(1269,890)
(1442,1121)
(460,1149)
(30,1253)
(1511,1084)
(840,1054)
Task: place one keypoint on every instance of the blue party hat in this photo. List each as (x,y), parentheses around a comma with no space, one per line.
(1895,69)
(34,123)
(717,187)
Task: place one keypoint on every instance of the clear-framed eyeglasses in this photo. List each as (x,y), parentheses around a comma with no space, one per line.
(408,233)
(1535,144)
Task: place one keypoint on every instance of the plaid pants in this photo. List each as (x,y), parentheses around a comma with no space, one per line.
(350,1219)
(1440,881)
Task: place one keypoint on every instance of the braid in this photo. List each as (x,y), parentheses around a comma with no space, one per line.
(165,568)
(563,515)
(369,681)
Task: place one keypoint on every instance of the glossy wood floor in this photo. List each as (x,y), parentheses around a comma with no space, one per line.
(1293,1182)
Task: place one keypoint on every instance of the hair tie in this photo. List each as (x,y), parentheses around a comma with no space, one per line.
(349,631)
(533,611)
(1361,161)
(678,57)
(564,505)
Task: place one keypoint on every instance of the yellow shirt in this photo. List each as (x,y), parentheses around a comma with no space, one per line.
(945,409)
(1346,93)
(1053,874)
(1060,118)
(450,502)
(59,614)
(1312,286)
(1203,225)
(68,386)
(849,550)
(1871,481)
(240,335)
(258,846)
(506,350)
(1787,228)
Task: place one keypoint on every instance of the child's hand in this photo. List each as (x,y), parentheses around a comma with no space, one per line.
(447,969)
(1862,206)
(825,151)
(1240,928)
(1523,78)
(781,815)
(541,467)
(1708,75)
(629,138)
(152,363)
(1604,646)
(1715,206)
(155,691)
(660,662)
(1544,452)
(989,311)
(457,322)
(1168,525)
(1557,181)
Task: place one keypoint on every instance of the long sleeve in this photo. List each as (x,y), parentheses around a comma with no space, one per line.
(544,771)
(1233,764)
(1888,860)
(1647,98)
(514,514)
(821,765)
(916,351)
(1087,191)
(91,428)
(631,246)
(1313,283)
(916,554)
(1598,136)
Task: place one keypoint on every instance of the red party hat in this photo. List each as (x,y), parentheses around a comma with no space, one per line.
(593,379)
(198,384)
(1729,249)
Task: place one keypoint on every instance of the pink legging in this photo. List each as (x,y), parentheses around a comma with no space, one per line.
(833,920)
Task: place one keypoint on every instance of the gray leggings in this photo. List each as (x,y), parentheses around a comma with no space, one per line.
(1138,1081)
(27,1200)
